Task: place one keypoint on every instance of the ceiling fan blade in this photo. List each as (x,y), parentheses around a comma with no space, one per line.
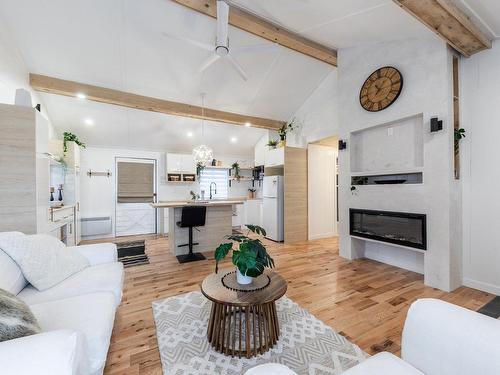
(208,62)
(205,46)
(222,23)
(256,48)
(238,67)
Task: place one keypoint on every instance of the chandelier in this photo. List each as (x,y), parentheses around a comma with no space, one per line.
(202,154)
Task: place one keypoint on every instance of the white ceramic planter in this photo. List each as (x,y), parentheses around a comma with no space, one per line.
(243,279)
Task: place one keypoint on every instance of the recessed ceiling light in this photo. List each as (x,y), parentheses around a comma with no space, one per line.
(234,139)
(190,134)
(81,95)
(88,121)
(248,124)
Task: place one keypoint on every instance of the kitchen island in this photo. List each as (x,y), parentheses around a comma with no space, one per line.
(218,224)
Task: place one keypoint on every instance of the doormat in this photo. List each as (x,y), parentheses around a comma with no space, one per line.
(132,253)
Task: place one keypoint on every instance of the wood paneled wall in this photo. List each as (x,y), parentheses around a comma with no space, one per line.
(295,173)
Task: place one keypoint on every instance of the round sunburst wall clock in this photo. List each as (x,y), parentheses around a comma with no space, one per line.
(381,89)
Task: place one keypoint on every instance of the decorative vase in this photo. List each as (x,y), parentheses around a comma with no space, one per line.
(243,279)
(282,143)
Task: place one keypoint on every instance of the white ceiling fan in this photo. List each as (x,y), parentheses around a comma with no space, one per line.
(221,49)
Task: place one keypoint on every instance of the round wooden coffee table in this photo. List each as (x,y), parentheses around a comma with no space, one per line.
(243,319)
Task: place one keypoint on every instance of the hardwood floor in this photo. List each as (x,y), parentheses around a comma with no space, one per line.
(364,300)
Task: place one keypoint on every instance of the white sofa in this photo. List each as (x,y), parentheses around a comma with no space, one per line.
(439,338)
(76,317)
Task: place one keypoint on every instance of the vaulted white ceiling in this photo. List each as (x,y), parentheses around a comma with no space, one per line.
(128,45)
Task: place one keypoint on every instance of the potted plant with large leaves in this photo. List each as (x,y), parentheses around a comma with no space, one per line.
(251,257)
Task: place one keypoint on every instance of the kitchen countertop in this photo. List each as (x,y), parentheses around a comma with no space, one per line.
(208,203)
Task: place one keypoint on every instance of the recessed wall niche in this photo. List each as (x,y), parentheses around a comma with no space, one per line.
(391,147)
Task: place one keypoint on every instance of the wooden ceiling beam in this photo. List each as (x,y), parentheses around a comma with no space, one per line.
(449,22)
(253,24)
(125,99)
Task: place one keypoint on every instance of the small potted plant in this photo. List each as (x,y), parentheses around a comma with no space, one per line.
(272,144)
(284,130)
(251,257)
(236,168)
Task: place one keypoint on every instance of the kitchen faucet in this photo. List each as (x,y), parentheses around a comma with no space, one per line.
(215,190)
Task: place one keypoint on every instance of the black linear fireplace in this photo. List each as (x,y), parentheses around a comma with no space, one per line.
(400,228)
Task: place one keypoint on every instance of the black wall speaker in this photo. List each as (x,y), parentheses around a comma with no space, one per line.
(436,125)
(342,144)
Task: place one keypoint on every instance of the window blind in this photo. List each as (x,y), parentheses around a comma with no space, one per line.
(220,177)
(135,182)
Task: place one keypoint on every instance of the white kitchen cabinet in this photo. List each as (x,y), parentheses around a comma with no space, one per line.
(238,215)
(188,164)
(275,157)
(174,163)
(260,150)
(180,163)
(253,212)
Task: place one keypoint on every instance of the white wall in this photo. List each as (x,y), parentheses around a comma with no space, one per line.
(318,116)
(14,74)
(480,95)
(426,68)
(98,193)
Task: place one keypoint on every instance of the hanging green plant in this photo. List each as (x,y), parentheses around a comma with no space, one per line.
(236,168)
(458,135)
(70,137)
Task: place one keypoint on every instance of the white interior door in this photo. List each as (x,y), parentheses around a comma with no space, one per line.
(135,191)
(322,191)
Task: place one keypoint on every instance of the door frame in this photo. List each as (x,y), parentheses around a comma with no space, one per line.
(155,184)
(311,196)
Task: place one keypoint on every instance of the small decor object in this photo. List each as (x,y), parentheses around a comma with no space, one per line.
(70,137)
(381,89)
(272,144)
(52,190)
(250,259)
(342,144)
(199,168)
(17,320)
(214,163)
(60,189)
(38,107)
(194,196)
(251,193)
(436,124)
(236,168)
(284,130)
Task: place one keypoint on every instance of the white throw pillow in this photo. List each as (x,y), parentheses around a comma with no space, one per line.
(44,260)
(11,276)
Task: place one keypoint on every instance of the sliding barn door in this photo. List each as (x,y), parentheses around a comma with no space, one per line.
(135,191)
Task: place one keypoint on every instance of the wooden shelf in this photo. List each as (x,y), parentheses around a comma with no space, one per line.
(226,167)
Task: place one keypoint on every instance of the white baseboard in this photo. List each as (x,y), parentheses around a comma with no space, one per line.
(485,287)
(323,235)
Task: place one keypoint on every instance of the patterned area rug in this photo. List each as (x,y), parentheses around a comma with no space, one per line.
(306,345)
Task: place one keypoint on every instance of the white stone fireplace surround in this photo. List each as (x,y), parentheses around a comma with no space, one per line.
(398,140)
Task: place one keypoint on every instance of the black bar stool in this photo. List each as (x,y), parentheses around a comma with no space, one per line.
(192,216)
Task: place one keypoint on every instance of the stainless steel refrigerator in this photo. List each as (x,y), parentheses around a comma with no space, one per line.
(273,207)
